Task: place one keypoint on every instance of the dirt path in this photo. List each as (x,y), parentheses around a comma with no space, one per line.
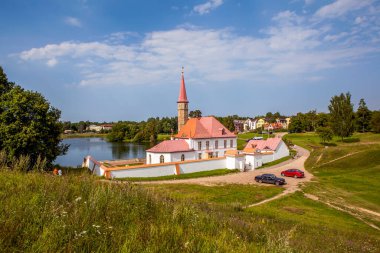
(336,159)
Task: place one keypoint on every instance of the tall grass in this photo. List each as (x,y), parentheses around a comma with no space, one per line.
(22,163)
(43,213)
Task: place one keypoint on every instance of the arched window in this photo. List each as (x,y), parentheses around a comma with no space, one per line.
(162,159)
(182,157)
(225,143)
(216,144)
(150,159)
(207,145)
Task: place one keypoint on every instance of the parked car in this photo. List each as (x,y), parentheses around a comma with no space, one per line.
(296,173)
(270,179)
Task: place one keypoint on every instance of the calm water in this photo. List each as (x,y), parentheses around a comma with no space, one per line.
(100,149)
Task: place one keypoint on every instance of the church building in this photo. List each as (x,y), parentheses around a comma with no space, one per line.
(197,138)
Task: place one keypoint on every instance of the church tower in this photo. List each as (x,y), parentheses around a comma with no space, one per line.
(182,105)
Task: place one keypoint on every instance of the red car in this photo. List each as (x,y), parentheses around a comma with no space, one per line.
(296,173)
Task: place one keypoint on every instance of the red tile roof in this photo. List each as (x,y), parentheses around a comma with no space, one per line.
(182,98)
(204,127)
(170,146)
(270,143)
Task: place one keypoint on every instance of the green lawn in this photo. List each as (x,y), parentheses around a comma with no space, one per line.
(209,173)
(316,226)
(353,179)
(305,224)
(162,137)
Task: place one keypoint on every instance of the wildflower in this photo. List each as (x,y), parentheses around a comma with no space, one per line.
(77,199)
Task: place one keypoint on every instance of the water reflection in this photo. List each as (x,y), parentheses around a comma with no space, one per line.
(100,149)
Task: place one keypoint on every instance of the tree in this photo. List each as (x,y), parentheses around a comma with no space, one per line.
(311,120)
(29,126)
(375,121)
(342,115)
(323,119)
(297,123)
(363,117)
(5,86)
(325,133)
(195,114)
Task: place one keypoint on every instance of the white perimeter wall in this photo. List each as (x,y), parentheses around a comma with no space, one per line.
(93,166)
(170,169)
(156,171)
(235,162)
(253,161)
(202,166)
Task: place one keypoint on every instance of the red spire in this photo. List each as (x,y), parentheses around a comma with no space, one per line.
(182,98)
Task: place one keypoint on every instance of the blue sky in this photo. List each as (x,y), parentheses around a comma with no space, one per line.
(121,59)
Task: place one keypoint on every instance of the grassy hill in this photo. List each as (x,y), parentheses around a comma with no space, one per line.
(43,213)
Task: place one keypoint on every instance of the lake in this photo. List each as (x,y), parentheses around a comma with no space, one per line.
(100,149)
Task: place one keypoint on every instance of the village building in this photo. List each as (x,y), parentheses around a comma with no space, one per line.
(197,138)
(98,128)
(239,125)
(270,150)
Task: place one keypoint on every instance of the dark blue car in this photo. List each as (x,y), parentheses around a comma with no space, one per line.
(270,179)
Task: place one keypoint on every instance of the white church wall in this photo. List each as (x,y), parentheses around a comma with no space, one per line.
(154,158)
(176,157)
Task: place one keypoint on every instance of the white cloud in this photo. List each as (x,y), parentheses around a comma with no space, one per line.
(335,37)
(73,21)
(207,6)
(341,7)
(52,62)
(292,47)
(359,20)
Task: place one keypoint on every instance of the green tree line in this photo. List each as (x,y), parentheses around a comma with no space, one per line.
(341,120)
(144,131)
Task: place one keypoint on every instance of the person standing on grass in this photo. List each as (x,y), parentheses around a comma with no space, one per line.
(55,171)
(59,172)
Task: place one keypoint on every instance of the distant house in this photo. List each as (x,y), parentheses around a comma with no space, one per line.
(284,122)
(94,128)
(98,128)
(106,127)
(249,124)
(239,125)
(68,131)
(260,122)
